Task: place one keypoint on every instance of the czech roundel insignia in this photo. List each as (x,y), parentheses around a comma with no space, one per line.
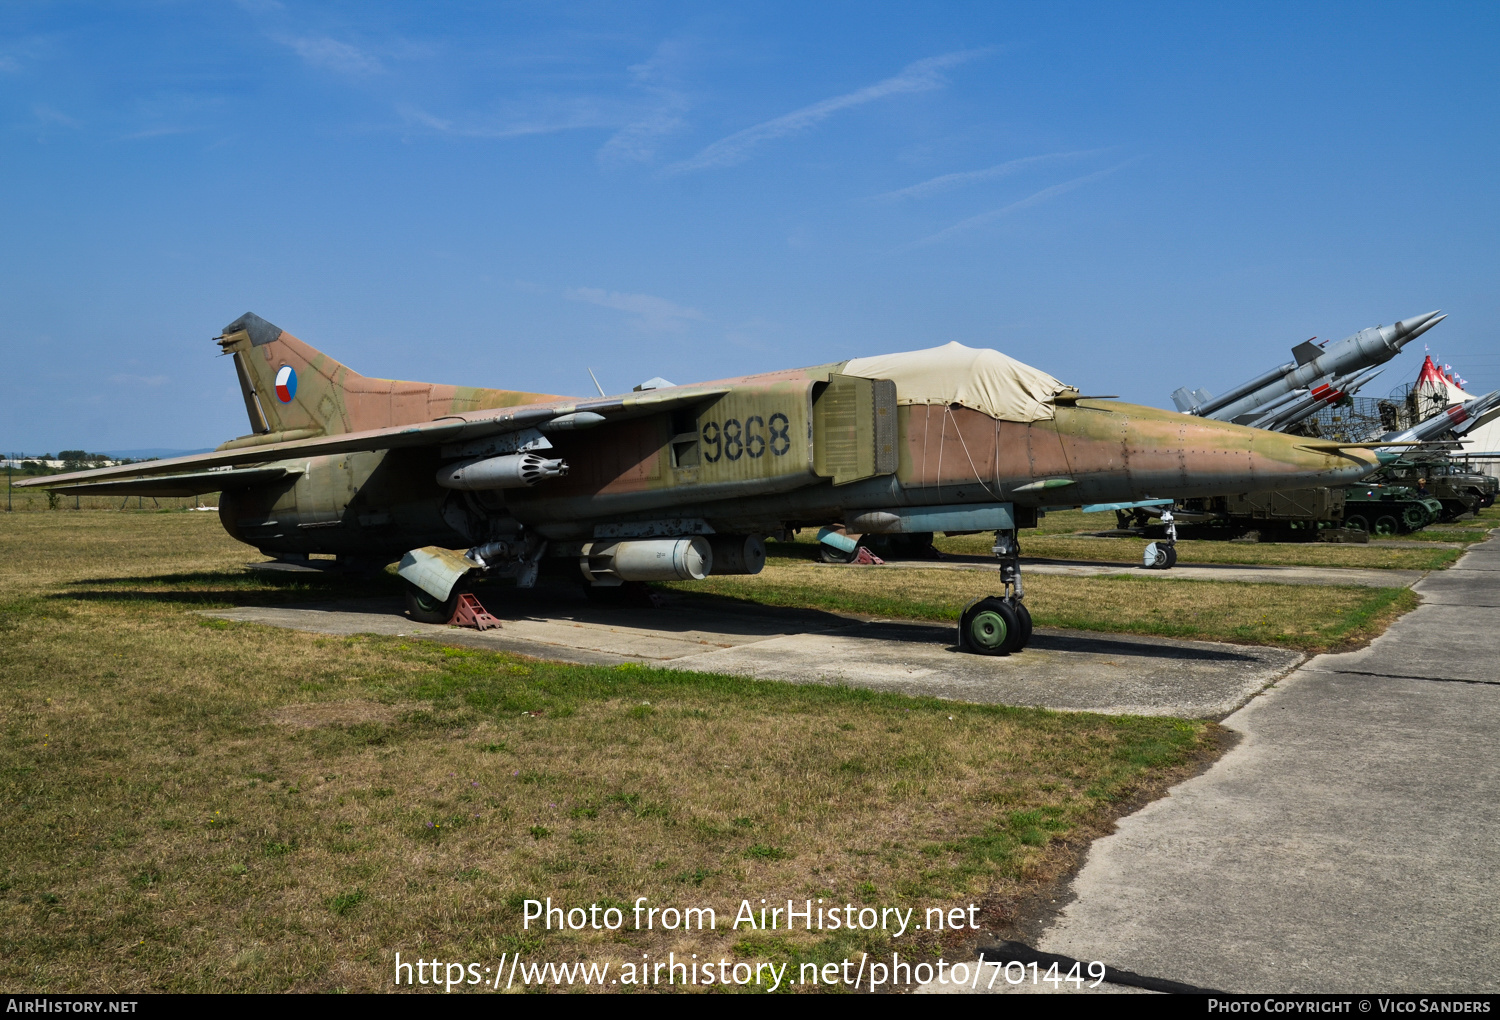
(286,384)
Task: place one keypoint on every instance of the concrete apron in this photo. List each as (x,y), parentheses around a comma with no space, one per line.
(1060,669)
(1347,844)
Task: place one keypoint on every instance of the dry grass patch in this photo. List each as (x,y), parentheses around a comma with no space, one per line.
(1286,554)
(1056,538)
(1306,617)
(356,712)
(1475,532)
(42,550)
(192,804)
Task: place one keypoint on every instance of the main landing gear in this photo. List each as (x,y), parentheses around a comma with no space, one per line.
(998,624)
(424,607)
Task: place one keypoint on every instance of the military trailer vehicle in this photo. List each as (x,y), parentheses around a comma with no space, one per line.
(1292,515)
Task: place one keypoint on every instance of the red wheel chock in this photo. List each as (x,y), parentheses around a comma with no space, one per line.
(471,614)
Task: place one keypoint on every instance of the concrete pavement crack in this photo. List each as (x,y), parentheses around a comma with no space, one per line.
(1403,676)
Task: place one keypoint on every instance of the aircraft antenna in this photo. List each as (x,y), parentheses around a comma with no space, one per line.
(596,382)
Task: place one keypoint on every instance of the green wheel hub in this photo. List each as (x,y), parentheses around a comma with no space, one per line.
(987,630)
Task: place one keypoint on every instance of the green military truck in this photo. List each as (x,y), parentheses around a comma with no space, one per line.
(1460,489)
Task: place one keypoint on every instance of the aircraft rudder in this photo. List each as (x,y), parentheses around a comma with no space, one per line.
(289,386)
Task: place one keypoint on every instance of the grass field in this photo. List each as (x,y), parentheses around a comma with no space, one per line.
(1056,538)
(1309,618)
(1288,554)
(196,805)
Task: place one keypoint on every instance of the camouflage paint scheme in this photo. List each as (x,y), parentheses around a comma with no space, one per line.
(347,466)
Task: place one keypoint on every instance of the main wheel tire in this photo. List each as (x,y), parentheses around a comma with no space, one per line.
(989,627)
(1023,617)
(1386,525)
(963,619)
(828,554)
(424,607)
(1171,558)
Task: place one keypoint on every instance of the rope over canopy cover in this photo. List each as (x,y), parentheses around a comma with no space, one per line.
(978,378)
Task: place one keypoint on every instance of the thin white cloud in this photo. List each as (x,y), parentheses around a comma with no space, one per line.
(51,115)
(653,314)
(156,132)
(15,53)
(564,117)
(1035,199)
(333,55)
(637,140)
(414,114)
(921,76)
(947,182)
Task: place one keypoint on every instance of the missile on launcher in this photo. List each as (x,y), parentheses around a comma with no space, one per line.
(1311,364)
(1283,415)
(1454,417)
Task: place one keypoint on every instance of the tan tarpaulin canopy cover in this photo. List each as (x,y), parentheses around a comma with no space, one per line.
(982,379)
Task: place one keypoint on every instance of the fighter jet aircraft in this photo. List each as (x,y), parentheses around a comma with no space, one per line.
(679,482)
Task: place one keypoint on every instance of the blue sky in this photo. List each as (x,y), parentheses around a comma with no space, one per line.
(1129,197)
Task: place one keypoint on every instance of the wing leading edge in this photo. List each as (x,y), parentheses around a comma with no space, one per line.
(190,471)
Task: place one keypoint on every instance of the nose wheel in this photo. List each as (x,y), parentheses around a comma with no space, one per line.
(998,624)
(1160,556)
(1163,555)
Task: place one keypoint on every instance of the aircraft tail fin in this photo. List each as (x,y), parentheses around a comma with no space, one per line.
(295,391)
(290,388)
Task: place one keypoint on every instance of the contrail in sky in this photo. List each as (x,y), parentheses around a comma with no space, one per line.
(1035,199)
(949,181)
(922,76)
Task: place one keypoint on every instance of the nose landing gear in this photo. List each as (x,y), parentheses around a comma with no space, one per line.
(998,624)
(1163,555)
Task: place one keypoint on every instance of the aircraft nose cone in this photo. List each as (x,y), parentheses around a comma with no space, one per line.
(1312,462)
(1232,458)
